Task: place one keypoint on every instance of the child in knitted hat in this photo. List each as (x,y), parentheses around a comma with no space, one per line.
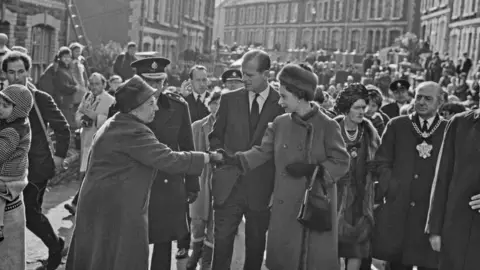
(16,101)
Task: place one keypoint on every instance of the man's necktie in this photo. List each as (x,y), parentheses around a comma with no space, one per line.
(425,126)
(254,114)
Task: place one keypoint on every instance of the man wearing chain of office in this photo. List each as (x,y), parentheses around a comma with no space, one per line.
(406,162)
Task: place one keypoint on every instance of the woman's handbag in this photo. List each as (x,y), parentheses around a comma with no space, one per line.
(315,212)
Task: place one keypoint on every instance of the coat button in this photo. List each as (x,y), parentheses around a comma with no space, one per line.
(280,202)
(284,174)
(412,204)
(285,146)
(300,147)
(415,176)
(165,181)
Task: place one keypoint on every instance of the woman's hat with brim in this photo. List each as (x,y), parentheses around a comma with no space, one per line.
(132,93)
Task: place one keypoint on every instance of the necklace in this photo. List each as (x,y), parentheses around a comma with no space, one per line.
(353,137)
(424,149)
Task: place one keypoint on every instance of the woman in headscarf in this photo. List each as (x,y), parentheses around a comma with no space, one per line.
(299,141)
(356,197)
(111,230)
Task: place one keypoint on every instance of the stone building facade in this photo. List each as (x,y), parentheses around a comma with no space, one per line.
(435,20)
(38,25)
(165,26)
(464,29)
(356,25)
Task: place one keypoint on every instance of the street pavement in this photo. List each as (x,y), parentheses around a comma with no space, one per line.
(53,205)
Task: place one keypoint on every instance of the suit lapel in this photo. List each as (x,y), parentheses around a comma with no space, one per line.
(265,115)
(243,108)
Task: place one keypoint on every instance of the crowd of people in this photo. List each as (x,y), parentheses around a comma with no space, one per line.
(329,168)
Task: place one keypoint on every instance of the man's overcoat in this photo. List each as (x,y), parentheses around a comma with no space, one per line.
(405,180)
(111,229)
(168,202)
(457,180)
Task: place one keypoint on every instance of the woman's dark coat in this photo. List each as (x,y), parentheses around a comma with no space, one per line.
(111,230)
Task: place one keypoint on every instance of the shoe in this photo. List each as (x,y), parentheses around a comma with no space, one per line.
(195,257)
(182,254)
(71,208)
(54,257)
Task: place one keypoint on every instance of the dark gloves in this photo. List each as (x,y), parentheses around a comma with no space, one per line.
(300,169)
(229,159)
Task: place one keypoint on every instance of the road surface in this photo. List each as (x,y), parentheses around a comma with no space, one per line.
(54,200)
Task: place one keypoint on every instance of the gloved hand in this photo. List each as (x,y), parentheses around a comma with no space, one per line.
(300,169)
(192,197)
(229,159)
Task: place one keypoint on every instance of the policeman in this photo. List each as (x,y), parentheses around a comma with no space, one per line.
(400,92)
(170,193)
(232,79)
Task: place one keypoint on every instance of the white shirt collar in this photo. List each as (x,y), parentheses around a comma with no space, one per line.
(429,121)
(202,96)
(263,94)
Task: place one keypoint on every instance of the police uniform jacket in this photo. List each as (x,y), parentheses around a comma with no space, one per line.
(167,212)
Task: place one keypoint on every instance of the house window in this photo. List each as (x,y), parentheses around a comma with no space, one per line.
(443,3)
(393,35)
(321,39)
(293,12)
(338,10)
(457,9)
(280,39)
(336,39)
(270,38)
(271,14)
(252,15)
(307,39)
(370,37)
(380,11)
(423,6)
(42,49)
(308,11)
(285,13)
(355,40)
(292,39)
(260,14)
(233,16)
(280,13)
(375,9)
(326,10)
(168,11)
(201,10)
(241,16)
(259,36)
(150,10)
(357,9)
(378,40)
(397,9)
(241,37)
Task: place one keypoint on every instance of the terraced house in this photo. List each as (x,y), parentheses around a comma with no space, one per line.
(360,25)
(464,29)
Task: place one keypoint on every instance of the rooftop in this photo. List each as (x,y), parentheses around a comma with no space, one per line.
(247,2)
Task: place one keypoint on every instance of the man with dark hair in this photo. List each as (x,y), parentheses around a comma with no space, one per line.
(196,100)
(42,164)
(122,63)
(241,121)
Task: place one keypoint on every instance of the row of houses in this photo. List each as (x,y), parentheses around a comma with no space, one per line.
(364,26)
(353,25)
(166,26)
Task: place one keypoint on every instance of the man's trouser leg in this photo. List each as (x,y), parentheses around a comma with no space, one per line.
(37,222)
(256,226)
(162,256)
(198,227)
(185,241)
(226,218)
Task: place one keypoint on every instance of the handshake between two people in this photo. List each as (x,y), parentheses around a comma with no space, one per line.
(296,170)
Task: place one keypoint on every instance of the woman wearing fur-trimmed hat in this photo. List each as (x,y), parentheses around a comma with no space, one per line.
(300,142)
(356,187)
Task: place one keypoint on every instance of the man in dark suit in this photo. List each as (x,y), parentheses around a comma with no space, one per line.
(167,212)
(241,121)
(400,91)
(196,100)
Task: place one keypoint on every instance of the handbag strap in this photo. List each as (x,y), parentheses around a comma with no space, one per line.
(40,118)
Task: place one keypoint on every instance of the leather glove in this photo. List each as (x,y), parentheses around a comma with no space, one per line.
(300,169)
(192,197)
(229,159)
